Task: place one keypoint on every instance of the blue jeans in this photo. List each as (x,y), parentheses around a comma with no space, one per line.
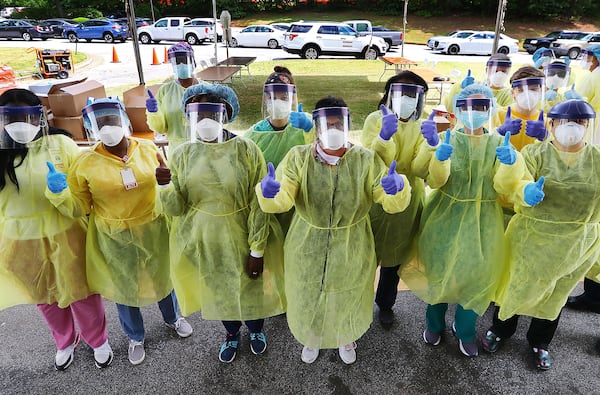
(131,317)
(464,321)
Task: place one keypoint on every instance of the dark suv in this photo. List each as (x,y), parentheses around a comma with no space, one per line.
(532,44)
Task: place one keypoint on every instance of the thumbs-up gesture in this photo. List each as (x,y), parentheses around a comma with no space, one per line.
(269,184)
(393,182)
(536,128)
(551,94)
(572,94)
(444,151)
(163,173)
(534,192)
(57,182)
(468,80)
(506,153)
(389,123)
(300,120)
(429,130)
(512,126)
(151,102)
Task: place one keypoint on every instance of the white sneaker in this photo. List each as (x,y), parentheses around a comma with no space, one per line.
(348,353)
(182,327)
(136,352)
(309,355)
(103,355)
(64,357)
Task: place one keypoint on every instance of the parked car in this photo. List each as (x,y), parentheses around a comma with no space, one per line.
(313,39)
(257,36)
(391,37)
(532,44)
(572,48)
(477,43)
(281,25)
(98,29)
(433,41)
(209,22)
(17,28)
(58,25)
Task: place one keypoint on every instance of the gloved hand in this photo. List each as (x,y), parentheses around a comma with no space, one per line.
(444,151)
(572,94)
(429,131)
(300,120)
(57,182)
(510,125)
(506,153)
(151,103)
(254,267)
(551,94)
(393,182)
(536,128)
(468,80)
(163,173)
(389,123)
(269,185)
(534,192)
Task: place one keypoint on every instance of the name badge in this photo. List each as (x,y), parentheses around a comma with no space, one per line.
(128,177)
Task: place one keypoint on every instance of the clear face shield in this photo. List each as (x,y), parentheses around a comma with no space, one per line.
(498,73)
(556,75)
(205,121)
(406,101)
(20,125)
(279,100)
(333,126)
(183,64)
(570,132)
(586,59)
(475,113)
(107,123)
(529,92)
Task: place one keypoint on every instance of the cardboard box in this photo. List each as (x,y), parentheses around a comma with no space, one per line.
(72,124)
(68,99)
(135,106)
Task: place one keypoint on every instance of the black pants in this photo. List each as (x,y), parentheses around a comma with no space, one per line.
(591,292)
(387,287)
(540,331)
(233,327)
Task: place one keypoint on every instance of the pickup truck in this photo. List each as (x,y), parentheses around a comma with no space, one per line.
(175,29)
(391,37)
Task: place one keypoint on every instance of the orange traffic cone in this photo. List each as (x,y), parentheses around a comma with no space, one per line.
(154,57)
(115,57)
(166,60)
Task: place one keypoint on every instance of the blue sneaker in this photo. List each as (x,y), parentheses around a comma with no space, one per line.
(258,342)
(229,348)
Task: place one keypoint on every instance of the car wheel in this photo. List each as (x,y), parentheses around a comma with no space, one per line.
(191,39)
(72,37)
(370,53)
(145,38)
(272,43)
(233,43)
(389,43)
(44,38)
(123,40)
(503,50)
(89,40)
(63,74)
(573,53)
(310,52)
(453,49)
(26,36)
(108,38)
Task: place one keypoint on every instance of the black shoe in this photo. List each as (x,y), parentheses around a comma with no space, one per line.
(580,303)
(386,317)
(598,346)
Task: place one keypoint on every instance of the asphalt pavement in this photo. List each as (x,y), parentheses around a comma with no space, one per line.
(393,361)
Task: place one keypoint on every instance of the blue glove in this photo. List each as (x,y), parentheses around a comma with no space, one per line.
(536,128)
(57,182)
(506,153)
(510,125)
(444,151)
(534,192)
(572,94)
(393,182)
(389,123)
(551,94)
(269,185)
(429,131)
(300,120)
(468,80)
(151,103)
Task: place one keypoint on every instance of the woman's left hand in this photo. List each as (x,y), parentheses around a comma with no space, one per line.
(254,267)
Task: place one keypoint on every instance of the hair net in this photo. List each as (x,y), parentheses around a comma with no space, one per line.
(594,50)
(181,46)
(223,91)
(476,89)
(86,120)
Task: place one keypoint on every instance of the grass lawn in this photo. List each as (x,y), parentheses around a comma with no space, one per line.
(22,60)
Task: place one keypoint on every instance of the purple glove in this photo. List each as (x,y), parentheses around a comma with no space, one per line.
(269,185)
(536,128)
(513,126)
(429,131)
(151,103)
(393,182)
(389,123)
(506,153)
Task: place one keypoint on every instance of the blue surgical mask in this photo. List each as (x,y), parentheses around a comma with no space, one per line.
(184,71)
(476,119)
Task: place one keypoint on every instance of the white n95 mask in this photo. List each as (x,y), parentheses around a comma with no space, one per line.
(333,139)
(280,109)
(407,107)
(528,100)
(569,134)
(208,129)
(22,132)
(498,79)
(111,135)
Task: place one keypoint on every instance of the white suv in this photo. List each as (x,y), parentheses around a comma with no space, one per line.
(312,39)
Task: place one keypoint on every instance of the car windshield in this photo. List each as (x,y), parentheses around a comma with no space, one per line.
(464,34)
(553,34)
